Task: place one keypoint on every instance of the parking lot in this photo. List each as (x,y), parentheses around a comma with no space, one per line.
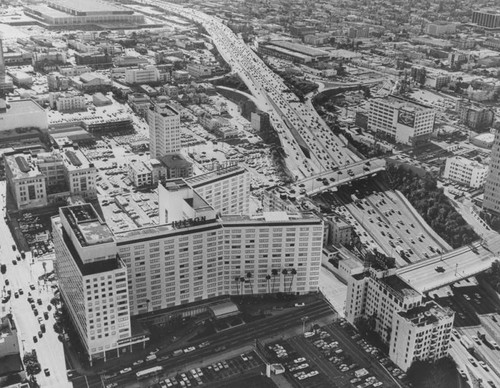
(333,356)
(214,374)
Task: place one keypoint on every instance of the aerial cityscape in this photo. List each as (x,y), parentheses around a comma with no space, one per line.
(250,194)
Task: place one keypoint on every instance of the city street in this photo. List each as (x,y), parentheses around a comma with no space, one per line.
(49,349)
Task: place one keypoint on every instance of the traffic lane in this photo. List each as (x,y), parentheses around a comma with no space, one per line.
(490,356)
(306,349)
(360,356)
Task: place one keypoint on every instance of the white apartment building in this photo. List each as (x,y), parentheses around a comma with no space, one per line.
(164,130)
(194,255)
(421,333)
(226,189)
(93,282)
(67,102)
(140,174)
(391,304)
(48,177)
(491,200)
(142,75)
(465,171)
(403,121)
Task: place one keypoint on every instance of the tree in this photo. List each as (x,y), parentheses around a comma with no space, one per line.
(274,273)
(293,272)
(249,277)
(426,374)
(268,278)
(285,273)
(237,282)
(242,282)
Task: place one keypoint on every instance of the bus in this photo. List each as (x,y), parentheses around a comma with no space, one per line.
(144,374)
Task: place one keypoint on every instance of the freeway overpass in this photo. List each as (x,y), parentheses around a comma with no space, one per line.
(450,267)
(329,180)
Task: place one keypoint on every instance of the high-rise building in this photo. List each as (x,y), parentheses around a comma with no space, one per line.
(5,84)
(413,330)
(491,200)
(164,130)
(196,254)
(486,18)
(93,282)
(404,121)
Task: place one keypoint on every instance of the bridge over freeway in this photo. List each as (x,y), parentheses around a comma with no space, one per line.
(331,179)
(450,267)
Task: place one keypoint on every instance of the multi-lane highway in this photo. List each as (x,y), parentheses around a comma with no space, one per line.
(309,144)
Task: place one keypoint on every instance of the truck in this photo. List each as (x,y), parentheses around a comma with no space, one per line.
(466,343)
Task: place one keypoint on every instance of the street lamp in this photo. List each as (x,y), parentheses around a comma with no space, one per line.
(304,319)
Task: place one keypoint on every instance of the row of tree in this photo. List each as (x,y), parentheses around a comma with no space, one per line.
(433,205)
(240,281)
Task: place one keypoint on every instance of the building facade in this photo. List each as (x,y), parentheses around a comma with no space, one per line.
(142,75)
(164,130)
(196,254)
(403,121)
(474,115)
(393,308)
(465,171)
(492,186)
(93,282)
(486,18)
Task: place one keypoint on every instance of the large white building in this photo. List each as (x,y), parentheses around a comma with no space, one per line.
(142,75)
(37,180)
(465,171)
(226,189)
(391,304)
(164,130)
(403,121)
(93,282)
(67,102)
(195,254)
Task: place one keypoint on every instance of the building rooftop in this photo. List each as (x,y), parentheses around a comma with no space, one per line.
(86,225)
(426,314)
(408,105)
(87,6)
(274,218)
(300,48)
(213,176)
(399,286)
(23,107)
(468,162)
(21,166)
(164,109)
(174,161)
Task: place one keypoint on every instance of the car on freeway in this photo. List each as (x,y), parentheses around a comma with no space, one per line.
(138,362)
(125,370)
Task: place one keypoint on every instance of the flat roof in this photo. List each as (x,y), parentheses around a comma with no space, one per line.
(23,107)
(174,161)
(213,176)
(399,285)
(87,5)
(19,164)
(297,47)
(426,314)
(86,225)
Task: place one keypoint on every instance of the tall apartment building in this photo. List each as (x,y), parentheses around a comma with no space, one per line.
(195,254)
(465,171)
(404,121)
(475,116)
(491,200)
(48,177)
(164,130)
(395,308)
(486,18)
(93,282)
(226,189)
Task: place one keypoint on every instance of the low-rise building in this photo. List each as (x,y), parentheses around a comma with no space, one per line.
(474,115)
(176,166)
(142,75)
(465,171)
(68,102)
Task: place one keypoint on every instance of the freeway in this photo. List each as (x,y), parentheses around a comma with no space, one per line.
(309,144)
(231,338)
